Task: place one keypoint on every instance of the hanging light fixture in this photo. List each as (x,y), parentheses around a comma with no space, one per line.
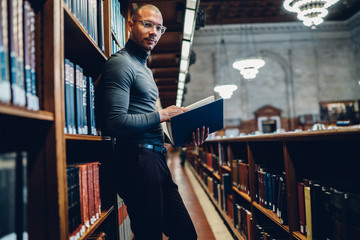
(224,88)
(249,67)
(311,12)
(249,64)
(225,91)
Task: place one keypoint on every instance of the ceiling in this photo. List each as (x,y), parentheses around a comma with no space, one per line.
(165,58)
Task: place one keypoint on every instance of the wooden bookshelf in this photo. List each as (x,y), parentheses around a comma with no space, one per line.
(116,39)
(325,155)
(78,137)
(270,214)
(58,35)
(104,215)
(299,236)
(13,111)
(242,194)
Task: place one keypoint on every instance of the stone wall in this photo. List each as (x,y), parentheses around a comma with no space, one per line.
(303,67)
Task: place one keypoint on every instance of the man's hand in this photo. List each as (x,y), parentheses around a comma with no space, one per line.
(199,138)
(167,113)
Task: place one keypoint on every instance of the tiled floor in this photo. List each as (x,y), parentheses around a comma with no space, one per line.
(208,224)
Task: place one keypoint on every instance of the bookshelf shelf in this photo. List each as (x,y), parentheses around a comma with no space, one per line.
(104,215)
(216,176)
(271,215)
(226,168)
(208,168)
(80,47)
(24,113)
(244,195)
(79,137)
(299,236)
(345,132)
(116,39)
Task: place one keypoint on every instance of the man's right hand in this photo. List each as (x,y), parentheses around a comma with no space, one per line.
(167,113)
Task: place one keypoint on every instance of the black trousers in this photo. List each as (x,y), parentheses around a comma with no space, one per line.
(143,179)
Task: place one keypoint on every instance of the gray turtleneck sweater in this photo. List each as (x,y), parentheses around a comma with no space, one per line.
(129,95)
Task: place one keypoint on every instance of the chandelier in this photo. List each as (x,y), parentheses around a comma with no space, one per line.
(248,65)
(225,91)
(311,12)
(225,88)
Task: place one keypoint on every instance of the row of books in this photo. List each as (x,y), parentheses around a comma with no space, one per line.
(84,204)
(125,232)
(79,101)
(328,211)
(114,45)
(13,195)
(90,14)
(223,157)
(220,190)
(271,192)
(240,175)
(243,222)
(118,22)
(268,232)
(211,160)
(18,83)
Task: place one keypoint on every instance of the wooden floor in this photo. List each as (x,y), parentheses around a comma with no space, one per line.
(192,204)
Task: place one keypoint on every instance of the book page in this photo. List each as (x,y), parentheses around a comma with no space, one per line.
(201,103)
(167,130)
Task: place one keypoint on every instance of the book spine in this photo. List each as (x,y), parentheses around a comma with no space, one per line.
(68,128)
(34,89)
(5,85)
(91,193)
(77,94)
(20,59)
(84,105)
(307,198)
(8,193)
(72,97)
(84,195)
(301,208)
(27,54)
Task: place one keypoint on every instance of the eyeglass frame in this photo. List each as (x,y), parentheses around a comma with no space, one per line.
(161,30)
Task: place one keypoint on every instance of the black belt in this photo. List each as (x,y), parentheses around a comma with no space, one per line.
(156,148)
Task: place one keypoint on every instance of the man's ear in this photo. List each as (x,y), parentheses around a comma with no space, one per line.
(130,25)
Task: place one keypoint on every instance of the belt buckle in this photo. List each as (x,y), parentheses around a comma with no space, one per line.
(163,150)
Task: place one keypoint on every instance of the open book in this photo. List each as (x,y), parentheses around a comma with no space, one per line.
(206,112)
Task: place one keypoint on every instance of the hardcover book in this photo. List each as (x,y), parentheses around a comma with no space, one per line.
(206,112)
(301,201)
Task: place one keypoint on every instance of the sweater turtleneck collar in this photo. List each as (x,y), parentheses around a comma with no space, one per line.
(140,54)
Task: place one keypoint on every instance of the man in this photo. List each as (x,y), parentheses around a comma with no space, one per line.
(141,176)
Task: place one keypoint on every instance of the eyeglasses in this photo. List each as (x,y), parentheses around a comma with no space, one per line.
(150,26)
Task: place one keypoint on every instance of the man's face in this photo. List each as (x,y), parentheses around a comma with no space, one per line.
(145,38)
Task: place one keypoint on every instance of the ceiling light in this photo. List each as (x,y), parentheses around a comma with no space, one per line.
(311,12)
(181,85)
(248,64)
(249,67)
(225,91)
(189,24)
(185,49)
(191,4)
(184,65)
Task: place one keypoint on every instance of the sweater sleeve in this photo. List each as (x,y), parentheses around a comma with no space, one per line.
(117,78)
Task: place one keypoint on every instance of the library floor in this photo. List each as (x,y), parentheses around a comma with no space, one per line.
(208,223)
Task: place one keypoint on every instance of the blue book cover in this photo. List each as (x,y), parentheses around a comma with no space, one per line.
(180,127)
(68,128)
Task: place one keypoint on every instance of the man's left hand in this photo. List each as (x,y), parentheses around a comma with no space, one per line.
(199,137)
